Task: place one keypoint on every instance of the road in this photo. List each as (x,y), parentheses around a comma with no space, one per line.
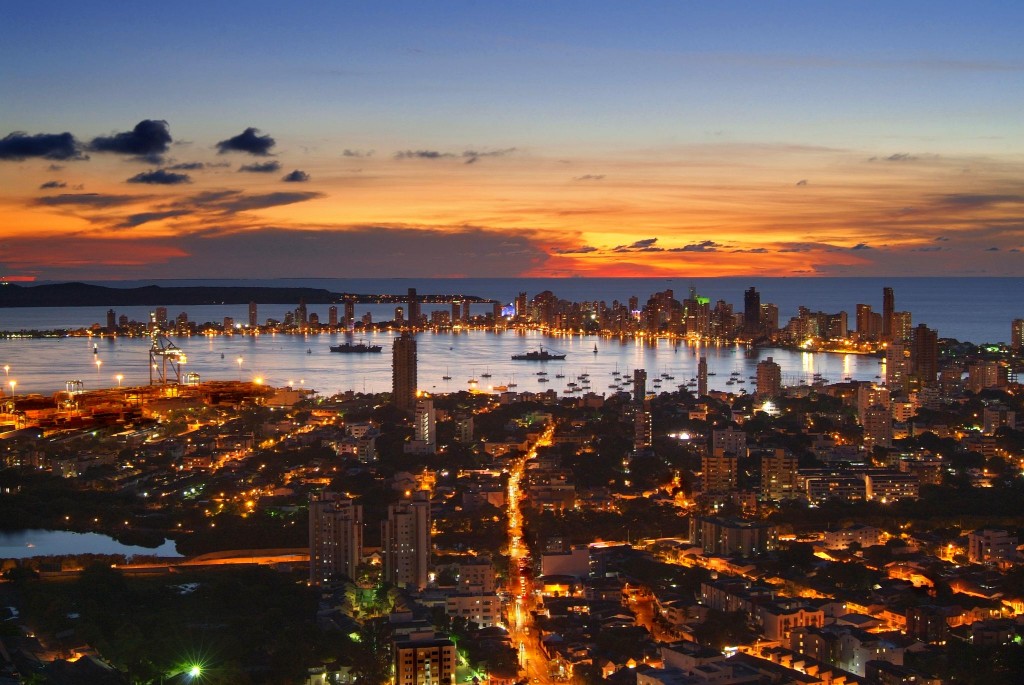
(520,591)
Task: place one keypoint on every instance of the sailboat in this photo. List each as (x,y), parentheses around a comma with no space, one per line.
(446,377)
(595,349)
(486,373)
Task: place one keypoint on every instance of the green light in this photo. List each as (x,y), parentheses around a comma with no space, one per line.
(195,671)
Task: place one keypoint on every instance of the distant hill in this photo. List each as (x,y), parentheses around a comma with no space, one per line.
(84,295)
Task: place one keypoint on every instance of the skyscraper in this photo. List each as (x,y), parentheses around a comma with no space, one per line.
(403,372)
(702,377)
(1017,335)
(424,439)
(888,309)
(769,378)
(414,308)
(924,355)
(751,311)
(897,368)
(335,537)
(642,430)
(405,541)
(350,313)
(254,317)
(332,315)
(639,385)
(111,319)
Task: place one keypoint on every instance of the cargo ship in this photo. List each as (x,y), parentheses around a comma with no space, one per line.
(541,355)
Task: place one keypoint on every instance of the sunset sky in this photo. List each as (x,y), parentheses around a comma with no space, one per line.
(416,139)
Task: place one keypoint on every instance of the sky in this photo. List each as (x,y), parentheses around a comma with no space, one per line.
(447,139)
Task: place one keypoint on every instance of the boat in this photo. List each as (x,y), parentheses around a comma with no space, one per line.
(355,348)
(559,375)
(595,349)
(486,374)
(446,377)
(540,355)
(309,350)
(542,380)
(542,373)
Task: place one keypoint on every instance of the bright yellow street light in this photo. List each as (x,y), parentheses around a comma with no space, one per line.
(12,384)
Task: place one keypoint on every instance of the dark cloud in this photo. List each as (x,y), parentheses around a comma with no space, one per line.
(897,157)
(753,250)
(271,167)
(297,176)
(149,140)
(703,246)
(639,246)
(585,249)
(979,199)
(861,246)
(145,217)
(422,154)
(248,141)
(186,166)
(234,201)
(55,167)
(160,177)
(471,156)
(356,153)
(53,184)
(88,200)
(802,182)
(992,249)
(589,177)
(20,145)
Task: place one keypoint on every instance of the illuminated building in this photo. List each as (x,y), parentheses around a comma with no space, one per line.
(332,315)
(456,311)
(897,367)
(877,423)
(991,544)
(902,326)
(301,314)
(335,537)
(425,661)
(405,541)
(770,317)
(111,319)
(1017,335)
(642,430)
(350,313)
(985,374)
(639,385)
(731,440)
(725,536)
(254,318)
(425,428)
(159,316)
(702,377)
(399,315)
(769,378)
(778,476)
(403,372)
(718,472)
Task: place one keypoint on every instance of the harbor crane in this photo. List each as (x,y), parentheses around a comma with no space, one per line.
(163,356)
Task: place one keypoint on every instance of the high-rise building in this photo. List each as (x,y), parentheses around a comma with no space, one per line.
(399,315)
(924,355)
(301,313)
(897,367)
(405,541)
(414,308)
(702,377)
(456,311)
(769,378)
(1017,335)
(877,423)
(424,428)
(403,372)
(111,319)
(864,321)
(731,440)
(639,385)
(778,476)
(465,311)
(159,316)
(254,317)
(421,661)
(335,537)
(888,309)
(332,315)
(718,472)
(751,311)
(642,430)
(902,326)
(350,313)
(985,374)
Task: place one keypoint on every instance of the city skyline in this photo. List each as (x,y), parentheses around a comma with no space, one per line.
(466,140)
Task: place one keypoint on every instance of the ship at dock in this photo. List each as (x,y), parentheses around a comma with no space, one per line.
(540,355)
(355,348)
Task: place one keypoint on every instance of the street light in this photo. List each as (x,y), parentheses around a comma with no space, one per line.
(7,369)
(12,384)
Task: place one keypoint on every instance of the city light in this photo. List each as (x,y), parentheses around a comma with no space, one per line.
(119,377)
(13,384)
